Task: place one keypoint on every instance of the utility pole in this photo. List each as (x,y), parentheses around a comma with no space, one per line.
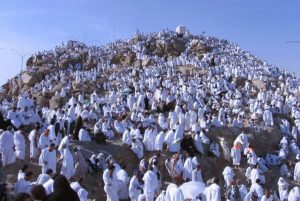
(21,55)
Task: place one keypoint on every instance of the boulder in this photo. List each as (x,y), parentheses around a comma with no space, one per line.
(56,88)
(178,45)
(2,93)
(43,70)
(5,88)
(28,79)
(14,90)
(259,84)
(161,49)
(55,102)
(129,60)
(66,62)
(101,80)
(116,59)
(76,85)
(147,62)
(240,82)
(29,61)
(200,49)
(137,63)
(91,62)
(185,70)
(42,101)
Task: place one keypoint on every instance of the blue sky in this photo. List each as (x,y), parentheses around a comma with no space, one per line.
(260,26)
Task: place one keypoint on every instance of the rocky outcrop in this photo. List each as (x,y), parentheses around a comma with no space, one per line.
(259,84)
(28,79)
(42,101)
(55,102)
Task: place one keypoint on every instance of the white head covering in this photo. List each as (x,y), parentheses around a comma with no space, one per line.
(100,155)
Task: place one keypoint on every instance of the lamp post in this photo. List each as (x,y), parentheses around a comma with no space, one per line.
(21,55)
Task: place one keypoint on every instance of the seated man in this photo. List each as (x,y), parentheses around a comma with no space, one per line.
(24,185)
(137,148)
(84,135)
(188,145)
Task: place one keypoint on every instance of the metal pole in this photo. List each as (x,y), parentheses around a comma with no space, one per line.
(21,55)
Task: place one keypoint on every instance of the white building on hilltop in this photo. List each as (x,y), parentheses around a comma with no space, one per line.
(180,30)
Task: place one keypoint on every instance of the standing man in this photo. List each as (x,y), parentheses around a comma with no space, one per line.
(151,183)
(214,191)
(110,184)
(47,159)
(7,147)
(33,138)
(19,142)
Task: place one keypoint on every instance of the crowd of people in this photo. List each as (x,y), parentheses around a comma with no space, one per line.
(154,110)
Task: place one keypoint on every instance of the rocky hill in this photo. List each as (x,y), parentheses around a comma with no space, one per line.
(74,69)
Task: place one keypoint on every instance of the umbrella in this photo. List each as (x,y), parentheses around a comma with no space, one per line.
(192,189)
